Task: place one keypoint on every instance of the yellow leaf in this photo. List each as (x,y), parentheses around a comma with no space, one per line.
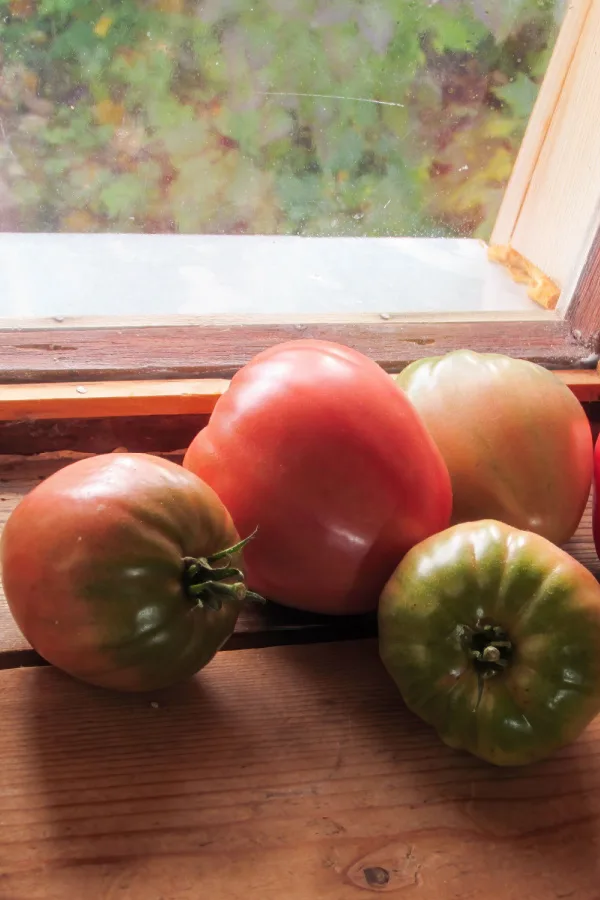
(170,6)
(106,112)
(103,25)
(501,127)
(499,166)
(30,80)
(78,220)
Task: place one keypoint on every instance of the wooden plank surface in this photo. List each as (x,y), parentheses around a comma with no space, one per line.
(289,773)
(217,350)
(101,399)
(149,434)
(177,397)
(257,626)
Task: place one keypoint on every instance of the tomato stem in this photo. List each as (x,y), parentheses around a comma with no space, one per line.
(224,554)
(489,648)
(204,583)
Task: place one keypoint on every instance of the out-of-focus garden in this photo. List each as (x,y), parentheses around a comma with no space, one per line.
(205,116)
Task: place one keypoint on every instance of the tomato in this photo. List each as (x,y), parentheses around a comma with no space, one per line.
(596,501)
(492,636)
(516,441)
(314,444)
(109,570)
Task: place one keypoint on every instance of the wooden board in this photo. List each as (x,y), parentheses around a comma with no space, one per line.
(101,399)
(583,312)
(218,350)
(257,626)
(289,773)
(172,398)
(139,434)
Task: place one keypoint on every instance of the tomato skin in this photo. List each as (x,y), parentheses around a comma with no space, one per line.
(310,444)
(92,563)
(516,441)
(596,498)
(546,606)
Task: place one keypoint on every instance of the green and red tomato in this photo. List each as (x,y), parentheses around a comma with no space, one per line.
(516,441)
(117,570)
(492,636)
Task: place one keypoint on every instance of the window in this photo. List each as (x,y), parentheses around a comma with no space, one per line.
(312,117)
(298,209)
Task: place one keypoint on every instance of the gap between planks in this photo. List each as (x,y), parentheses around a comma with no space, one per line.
(89,400)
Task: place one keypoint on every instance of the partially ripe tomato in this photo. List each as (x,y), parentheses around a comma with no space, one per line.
(492,636)
(314,444)
(516,441)
(114,569)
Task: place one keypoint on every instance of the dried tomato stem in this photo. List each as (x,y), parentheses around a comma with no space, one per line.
(489,647)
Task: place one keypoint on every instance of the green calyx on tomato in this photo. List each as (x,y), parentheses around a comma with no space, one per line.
(492,636)
(205,584)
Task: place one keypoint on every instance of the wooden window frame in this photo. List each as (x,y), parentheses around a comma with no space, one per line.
(546,178)
(549,212)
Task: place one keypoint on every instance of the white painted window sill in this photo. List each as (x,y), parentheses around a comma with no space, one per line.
(73,275)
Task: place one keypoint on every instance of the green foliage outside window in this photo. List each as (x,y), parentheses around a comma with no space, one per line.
(205,117)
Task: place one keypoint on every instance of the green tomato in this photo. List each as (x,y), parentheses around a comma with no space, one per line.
(492,636)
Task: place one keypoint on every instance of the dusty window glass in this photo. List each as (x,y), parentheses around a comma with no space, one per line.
(305,117)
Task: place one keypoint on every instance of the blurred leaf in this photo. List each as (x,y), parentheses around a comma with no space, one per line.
(457,31)
(341,150)
(123,196)
(102,26)
(222,115)
(519,94)
(106,112)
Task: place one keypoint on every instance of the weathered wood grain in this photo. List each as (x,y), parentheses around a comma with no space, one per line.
(68,424)
(289,773)
(217,350)
(145,434)
(171,398)
(583,312)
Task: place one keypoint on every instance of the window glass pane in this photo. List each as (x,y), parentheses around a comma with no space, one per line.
(292,117)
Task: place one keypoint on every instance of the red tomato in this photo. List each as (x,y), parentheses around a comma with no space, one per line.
(314,444)
(596,501)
